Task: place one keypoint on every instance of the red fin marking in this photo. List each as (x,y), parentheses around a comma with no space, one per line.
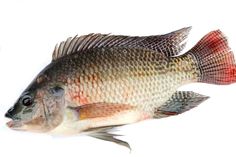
(215,59)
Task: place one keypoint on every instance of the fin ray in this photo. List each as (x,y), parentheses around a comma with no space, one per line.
(180,102)
(97,110)
(214,59)
(168,44)
(103,133)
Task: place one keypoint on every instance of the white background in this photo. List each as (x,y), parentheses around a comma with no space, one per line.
(29,31)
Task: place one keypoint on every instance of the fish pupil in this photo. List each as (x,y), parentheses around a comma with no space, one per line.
(27,101)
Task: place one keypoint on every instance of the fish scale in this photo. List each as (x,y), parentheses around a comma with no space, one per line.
(135,73)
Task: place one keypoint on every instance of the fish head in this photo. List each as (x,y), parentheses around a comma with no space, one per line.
(40,108)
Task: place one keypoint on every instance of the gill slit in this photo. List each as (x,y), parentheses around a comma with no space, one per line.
(46,113)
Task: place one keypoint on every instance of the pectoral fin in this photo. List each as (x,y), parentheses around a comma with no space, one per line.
(103,118)
(98,110)
(180,102)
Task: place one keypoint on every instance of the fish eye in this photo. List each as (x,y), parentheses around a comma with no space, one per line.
(27,100)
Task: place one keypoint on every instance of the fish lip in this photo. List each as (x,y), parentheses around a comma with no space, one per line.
(14,124)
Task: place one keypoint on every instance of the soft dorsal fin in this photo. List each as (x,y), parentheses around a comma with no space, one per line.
(169,44)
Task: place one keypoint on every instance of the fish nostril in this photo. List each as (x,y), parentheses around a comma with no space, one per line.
(11,109)
(9,113)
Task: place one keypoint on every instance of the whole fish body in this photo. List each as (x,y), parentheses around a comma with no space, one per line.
(96,82)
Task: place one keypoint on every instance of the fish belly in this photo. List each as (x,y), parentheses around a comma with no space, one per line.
(72,125)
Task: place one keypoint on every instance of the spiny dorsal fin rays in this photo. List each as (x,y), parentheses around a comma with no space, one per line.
(169,44)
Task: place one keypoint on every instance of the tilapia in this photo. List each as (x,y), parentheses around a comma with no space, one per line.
(97,82)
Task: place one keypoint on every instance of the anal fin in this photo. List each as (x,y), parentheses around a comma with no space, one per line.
(180,102)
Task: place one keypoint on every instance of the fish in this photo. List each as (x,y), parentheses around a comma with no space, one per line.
(98,82)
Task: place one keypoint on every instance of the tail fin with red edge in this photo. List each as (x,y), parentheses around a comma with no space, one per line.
(215,59)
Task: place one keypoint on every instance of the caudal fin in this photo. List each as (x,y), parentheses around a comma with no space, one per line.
(215,59)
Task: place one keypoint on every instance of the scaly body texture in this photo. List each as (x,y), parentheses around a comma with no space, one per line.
(96,82)
(140,78)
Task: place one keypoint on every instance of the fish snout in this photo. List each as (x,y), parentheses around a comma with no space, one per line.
(10,113)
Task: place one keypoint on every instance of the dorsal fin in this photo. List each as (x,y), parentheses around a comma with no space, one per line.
(169,44)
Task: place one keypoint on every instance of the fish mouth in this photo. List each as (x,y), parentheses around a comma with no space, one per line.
(14,124)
